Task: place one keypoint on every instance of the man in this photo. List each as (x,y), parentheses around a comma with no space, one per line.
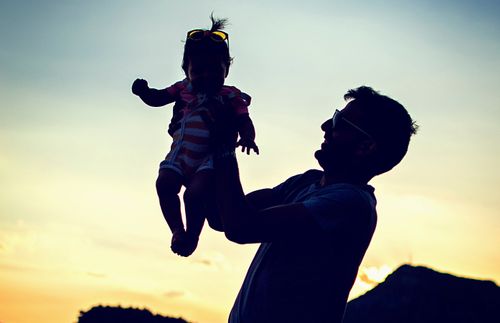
(315,227)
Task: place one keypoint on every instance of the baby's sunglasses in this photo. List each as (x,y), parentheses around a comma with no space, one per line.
(199,34)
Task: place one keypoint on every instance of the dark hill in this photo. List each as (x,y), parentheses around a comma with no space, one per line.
(109,314)
(421,295)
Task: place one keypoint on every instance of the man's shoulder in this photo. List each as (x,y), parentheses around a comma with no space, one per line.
(348,194)
(308,175)
(293,187)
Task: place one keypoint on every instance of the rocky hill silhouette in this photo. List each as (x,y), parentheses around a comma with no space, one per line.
(111,314)
(422,295)
(408,295)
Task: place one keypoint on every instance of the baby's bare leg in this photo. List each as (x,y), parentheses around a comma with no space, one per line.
(197,191)
(168,185)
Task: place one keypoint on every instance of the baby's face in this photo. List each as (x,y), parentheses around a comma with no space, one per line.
(206,75)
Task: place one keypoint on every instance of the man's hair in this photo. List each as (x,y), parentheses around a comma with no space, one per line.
(207,48)
(388,122)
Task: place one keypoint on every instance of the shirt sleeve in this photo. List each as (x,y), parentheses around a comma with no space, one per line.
(175,89)
(281,190)
(332,207)
(290,190)
(239,100)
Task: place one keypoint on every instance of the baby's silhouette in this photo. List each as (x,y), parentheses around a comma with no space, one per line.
(198,98)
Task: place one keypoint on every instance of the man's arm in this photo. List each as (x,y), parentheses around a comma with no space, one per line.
(262,199)
(244,220)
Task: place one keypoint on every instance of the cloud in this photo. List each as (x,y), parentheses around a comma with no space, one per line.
(213,261)
(18,268)
(365,279)
(374,275)
(96,275)
(174,294)
(204,261)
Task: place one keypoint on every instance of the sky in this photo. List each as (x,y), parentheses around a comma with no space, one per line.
(80,224)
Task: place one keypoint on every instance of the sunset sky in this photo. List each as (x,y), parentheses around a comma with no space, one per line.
(80,224)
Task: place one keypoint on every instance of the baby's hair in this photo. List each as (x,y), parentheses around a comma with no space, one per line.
(208,48)
(218,23)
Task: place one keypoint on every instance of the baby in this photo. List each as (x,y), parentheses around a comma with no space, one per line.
(198,98)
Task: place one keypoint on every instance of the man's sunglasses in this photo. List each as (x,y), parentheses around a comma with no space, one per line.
(337,117)
(199,34)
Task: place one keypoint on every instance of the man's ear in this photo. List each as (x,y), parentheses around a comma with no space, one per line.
(366,148)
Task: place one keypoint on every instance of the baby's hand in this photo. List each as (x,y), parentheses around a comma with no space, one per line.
(139,86)
(247,144)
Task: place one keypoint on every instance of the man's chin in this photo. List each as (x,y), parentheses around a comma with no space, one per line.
(319,155)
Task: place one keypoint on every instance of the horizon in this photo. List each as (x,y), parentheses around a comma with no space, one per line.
(80,222)
(359,297)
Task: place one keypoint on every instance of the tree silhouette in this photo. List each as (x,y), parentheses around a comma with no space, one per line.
(110,314)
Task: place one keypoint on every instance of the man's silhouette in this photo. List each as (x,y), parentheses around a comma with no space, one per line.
(314,227)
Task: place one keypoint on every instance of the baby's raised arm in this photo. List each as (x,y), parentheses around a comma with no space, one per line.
(152,97)
(247,134)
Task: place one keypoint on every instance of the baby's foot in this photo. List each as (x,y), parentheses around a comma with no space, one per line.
(178,241)
(190,244)
(183,244)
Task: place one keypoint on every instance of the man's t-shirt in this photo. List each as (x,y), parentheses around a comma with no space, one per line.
(308,278)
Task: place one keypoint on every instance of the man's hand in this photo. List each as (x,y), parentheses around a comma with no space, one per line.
(139,86)
(247,144)
(223,130)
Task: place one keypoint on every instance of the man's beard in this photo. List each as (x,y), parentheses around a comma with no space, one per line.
(329,159)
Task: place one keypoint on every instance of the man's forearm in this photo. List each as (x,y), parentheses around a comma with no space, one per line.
(231,201)
(244,223)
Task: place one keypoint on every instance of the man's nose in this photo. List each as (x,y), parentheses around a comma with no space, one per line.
(327,125)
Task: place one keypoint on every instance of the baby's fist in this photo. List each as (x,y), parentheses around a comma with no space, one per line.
(139,86)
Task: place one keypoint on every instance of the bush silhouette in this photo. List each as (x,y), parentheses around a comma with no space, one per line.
(110,314)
